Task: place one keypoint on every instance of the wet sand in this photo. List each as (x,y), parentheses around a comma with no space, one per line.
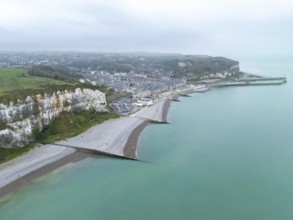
(130,149)
(166,107)
(28,178)
(31,161)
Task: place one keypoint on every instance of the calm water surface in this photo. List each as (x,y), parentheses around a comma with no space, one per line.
(227,154)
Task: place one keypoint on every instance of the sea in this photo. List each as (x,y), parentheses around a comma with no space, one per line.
(227,154)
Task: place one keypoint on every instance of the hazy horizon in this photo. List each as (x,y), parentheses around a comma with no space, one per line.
(225,28)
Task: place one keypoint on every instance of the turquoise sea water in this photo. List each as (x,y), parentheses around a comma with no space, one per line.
(227,154)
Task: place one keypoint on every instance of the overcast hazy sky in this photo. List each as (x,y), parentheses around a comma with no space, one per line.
(214,27)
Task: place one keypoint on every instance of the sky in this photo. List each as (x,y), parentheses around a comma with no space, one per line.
(209,27)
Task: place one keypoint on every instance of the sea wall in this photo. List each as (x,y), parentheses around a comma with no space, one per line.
(21,121)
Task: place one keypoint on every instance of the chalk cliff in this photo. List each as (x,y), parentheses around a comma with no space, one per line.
(21,121)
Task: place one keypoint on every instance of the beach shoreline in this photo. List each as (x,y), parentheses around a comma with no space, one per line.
(165,110)
(42,171)
(129,150)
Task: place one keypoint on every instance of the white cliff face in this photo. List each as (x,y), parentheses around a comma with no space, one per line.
(19,121)
(222,75)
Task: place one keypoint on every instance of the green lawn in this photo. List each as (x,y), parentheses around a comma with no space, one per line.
(17,79)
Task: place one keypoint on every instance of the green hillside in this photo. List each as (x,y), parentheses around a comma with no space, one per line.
(18,79)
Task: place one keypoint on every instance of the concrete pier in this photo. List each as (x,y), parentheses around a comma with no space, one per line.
(254,82)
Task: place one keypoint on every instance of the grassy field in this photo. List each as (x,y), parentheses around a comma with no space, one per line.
(17,79)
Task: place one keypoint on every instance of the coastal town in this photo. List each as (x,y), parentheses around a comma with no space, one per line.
(139,88)
(146,110)
(140,79)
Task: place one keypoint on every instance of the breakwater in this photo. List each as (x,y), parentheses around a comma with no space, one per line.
(266,81)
